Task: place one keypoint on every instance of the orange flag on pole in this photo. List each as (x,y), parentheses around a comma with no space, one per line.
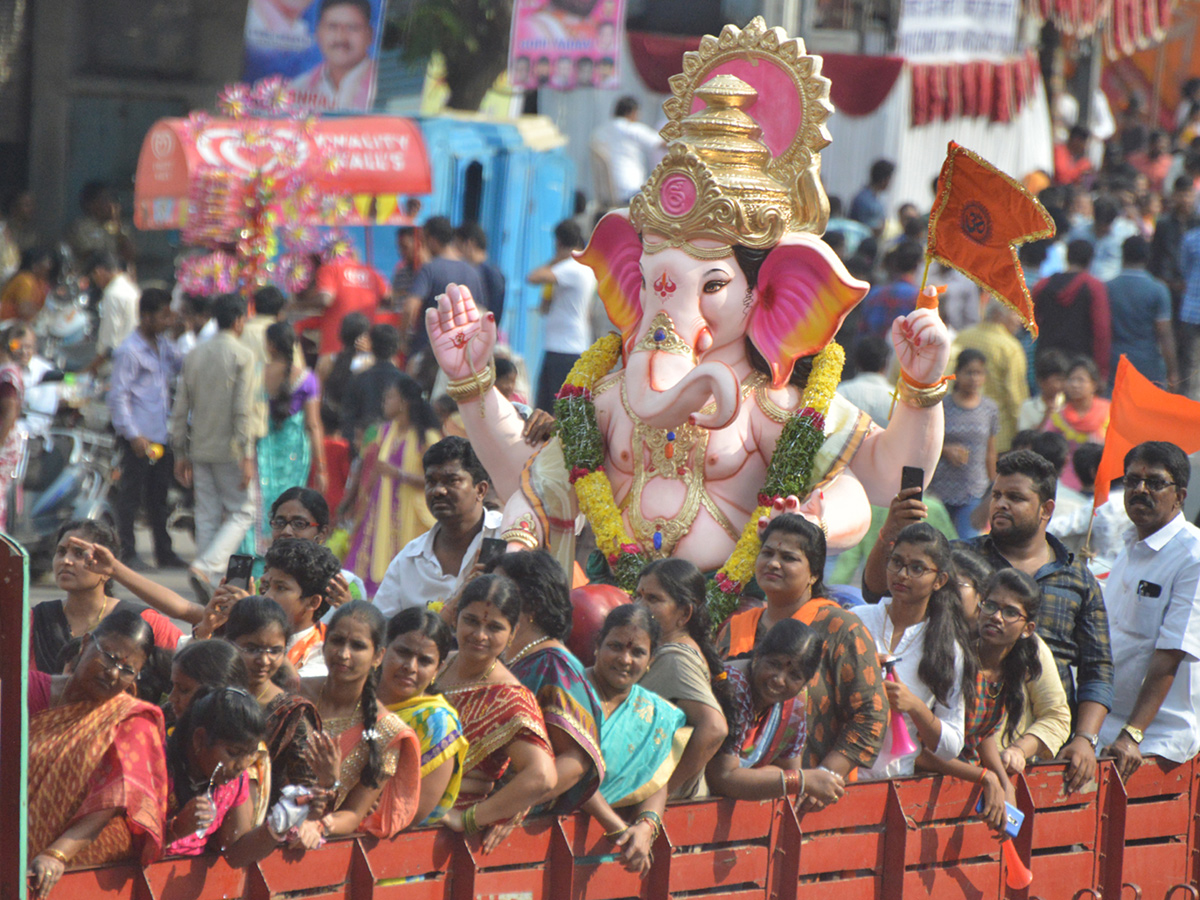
(1142,411)
(979,217)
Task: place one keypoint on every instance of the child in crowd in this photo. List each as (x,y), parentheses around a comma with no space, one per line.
(1050,368)
(259,628)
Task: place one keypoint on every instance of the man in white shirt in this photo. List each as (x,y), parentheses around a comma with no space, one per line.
(1153,600)
(870,390)
(567,307)
(345,77)
(628,147)
(434,567)
(118,306)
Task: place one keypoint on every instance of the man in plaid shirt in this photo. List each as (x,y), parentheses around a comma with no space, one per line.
(1072,621)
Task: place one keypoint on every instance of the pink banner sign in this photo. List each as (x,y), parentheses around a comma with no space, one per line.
(565,44)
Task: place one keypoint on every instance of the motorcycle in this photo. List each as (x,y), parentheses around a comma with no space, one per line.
(62,475)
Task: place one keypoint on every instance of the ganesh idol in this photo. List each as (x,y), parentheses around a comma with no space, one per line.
(714,405)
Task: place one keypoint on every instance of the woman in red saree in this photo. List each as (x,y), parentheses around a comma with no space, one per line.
(378,783)
(97,765)
(501,719)
(388,494)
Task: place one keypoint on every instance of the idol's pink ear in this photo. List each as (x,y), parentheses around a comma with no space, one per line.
(613,254)
(804,292)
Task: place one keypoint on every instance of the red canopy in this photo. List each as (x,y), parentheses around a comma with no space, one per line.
(378,160)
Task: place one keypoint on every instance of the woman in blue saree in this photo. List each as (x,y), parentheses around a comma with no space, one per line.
(642,736)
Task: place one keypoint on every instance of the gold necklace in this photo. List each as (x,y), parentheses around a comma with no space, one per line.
(100,615)
(356,713)
(520,654)
(459,685)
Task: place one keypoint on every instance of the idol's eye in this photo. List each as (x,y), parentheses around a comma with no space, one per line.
(715,286)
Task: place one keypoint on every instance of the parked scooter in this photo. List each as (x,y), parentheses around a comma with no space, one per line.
(63,475)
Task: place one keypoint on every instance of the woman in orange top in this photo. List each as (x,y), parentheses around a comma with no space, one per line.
(25,294)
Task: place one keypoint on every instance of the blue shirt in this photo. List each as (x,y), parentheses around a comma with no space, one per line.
(1138,302)
(139,396)
(866,207)
(881,306)
(1189,263)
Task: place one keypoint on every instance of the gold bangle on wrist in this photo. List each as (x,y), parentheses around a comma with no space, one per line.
(57,854)
(473,386)
(921,397)
(470,826)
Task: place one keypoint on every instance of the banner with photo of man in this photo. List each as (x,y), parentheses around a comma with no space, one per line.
(565,44)
(324,49)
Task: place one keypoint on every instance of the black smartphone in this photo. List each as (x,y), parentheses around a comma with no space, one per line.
(492,550)
(237,573)
(913,477)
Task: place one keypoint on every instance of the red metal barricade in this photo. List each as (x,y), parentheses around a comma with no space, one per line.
(908,838)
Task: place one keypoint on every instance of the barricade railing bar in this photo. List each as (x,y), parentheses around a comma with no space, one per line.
(895,840)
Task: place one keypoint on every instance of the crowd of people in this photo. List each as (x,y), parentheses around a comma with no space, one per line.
(388,664)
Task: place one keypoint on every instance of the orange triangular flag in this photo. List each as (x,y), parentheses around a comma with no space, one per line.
(978,219)
(1142,411)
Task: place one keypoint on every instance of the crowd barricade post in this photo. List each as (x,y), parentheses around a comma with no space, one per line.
(1069,837)
(948,850)
(317,874)
(423,858)
(594,868)
(1160,830)
(14,714)
(847,848)
(727,847)
(519,868)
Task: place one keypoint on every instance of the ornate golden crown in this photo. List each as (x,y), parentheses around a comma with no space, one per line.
(724,178)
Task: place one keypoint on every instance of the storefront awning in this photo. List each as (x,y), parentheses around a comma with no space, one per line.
(370,162)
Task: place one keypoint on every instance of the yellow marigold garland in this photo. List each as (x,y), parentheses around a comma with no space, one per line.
(789,473)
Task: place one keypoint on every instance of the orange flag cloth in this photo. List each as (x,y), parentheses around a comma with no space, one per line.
(978,219)
(1142,411)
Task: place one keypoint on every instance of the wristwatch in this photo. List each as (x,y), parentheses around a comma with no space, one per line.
(1093,739)
(1136,734)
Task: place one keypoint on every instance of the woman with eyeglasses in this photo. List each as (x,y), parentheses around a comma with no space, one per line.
(301,512)
(1007,649)
(97,764)
(921,634)
(1045,721)
(259,628)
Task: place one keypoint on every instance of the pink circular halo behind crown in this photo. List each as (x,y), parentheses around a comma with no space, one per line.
(737,170)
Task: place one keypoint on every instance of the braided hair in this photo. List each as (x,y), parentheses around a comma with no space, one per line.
(369,615)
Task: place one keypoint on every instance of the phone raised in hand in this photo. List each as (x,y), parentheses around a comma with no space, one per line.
(913,477)
(237,573)
(491,550)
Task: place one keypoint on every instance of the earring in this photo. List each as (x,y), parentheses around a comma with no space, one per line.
(748,300)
